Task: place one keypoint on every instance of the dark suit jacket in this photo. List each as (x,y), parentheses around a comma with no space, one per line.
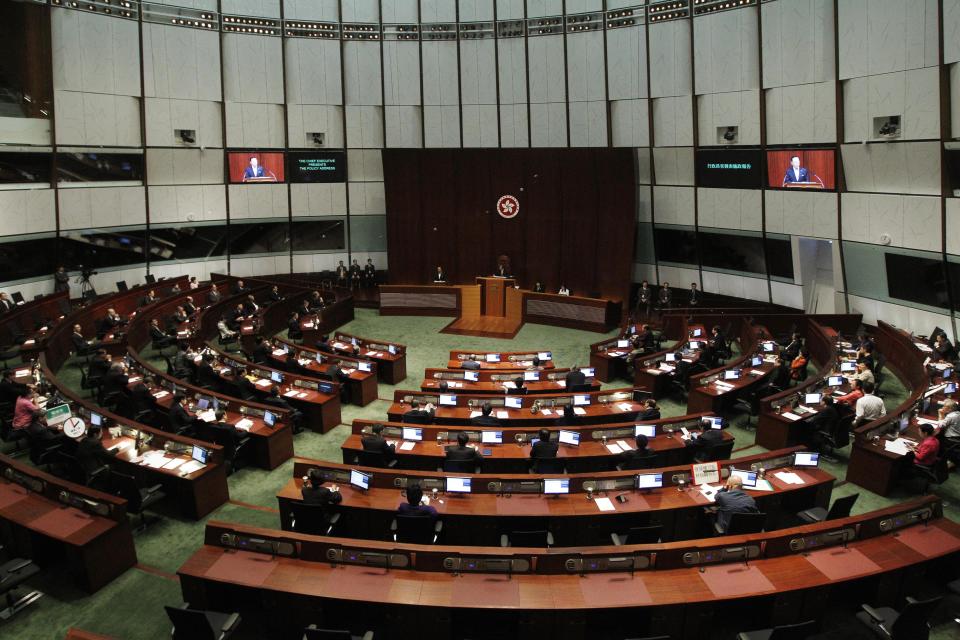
(90,454)
(206,375)
(213,297)
(825,420)
(418,416)
(575,378)
(115,381)
(731,502)
(541,449)
(179,418)
(639,454)
(275,296)
(189,308)
(377,443)
(79,342)
(485,421)
(10,390)
(141,397)
(789,176)
(649,414)
(145,300)
(261,353)
(99,367)
(456,452)
(320,495)
(470,364)
(156,333)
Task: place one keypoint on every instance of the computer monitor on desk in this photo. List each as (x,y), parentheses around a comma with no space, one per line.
(588,372)
(513,403)
(531,376)
(413,434)
(491,437)
(581,400)
(648,430)
(447,400)
(471,376)
(649,481)
(360,480)
(493,357)
(458,485)
(556,486)
(571,438)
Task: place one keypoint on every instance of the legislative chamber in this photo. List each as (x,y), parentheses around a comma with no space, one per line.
(479,319)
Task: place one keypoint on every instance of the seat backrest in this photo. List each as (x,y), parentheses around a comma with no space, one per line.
(548,465)
(460,466)
(326,634)
(189,624)
(741,523)
(415,529)
(534,538)
(720,451)
(310,518)
(941,472)
(798,631)
(371,459)
(841,431)
(841,507)
(644,462)
(126,487)
(644,535)
(912,621)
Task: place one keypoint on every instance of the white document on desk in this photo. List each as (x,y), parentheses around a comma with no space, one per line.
(605,504)
(474,414)
(244,424)
(580,411)
(407,445)
(546,412)
(762,485)
(788,477)
(709,492)
(613,447)
(623,445)
(791,416)
(898,446)
(503,415)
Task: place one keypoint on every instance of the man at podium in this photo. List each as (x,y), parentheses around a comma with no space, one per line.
(254,170)
(502,269)
(795,173)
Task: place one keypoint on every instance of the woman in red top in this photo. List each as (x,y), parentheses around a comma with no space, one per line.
(799,365)
(855,394)
(927,451)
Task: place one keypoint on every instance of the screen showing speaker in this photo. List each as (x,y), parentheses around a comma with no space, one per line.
(253,167)
(811,169)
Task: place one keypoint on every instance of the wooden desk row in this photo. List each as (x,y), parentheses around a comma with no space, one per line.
(391,357)
(501,503)
(282,581)
(363,384)
(64,526)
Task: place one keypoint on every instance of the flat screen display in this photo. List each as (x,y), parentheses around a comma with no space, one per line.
(749,478)
(493,357)
(623,344)
(848,367)
(96,419)
(571,438)
(491,437)
(269,418)
(317,166)
(729,168)
(471,376)
(199,454)
(801,169)
(544,355)
(648,430)
(555,486)
(448,400)
(769,347)
(531,376)
(835,381)
(581,400)
(806,459)
(731,374)
(588,372)
(513,403)
(756,361)
(713,422)
(458,485)
(99,167)
(364,366)
(414,434)
(811,398)
(359,480)
(276,376)
(650,481)
(255,167)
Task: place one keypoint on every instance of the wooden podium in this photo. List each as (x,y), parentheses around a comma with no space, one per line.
(494,294)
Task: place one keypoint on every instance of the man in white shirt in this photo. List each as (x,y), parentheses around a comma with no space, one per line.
(869,407)
(949,424)
(864,374)
(563,290)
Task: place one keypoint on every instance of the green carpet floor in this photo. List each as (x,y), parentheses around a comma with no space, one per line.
(131,608)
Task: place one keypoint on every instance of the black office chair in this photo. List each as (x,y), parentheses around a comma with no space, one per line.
(637,463)
(548,465)
(834,437)
(376,459)
(534,538)
(798,631)
(649,534)
(138,499)
(229,341)
(937,474)
(839,509)
(313,633)
(741,523)
(415,529)
(13,573)
(750,402)
(17,436)
(911,622)
(719,451)
(461,466)
(316,519)
(195,624)
(89,383)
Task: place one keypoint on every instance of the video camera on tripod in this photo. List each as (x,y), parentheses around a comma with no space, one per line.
(86,288)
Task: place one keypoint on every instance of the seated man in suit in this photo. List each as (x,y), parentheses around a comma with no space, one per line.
(109,324)
(485,419)
(701,444)
(315,301)
(641,454)
(414,505)
(189,307)
(376,442)
(179,419)
(227,435)
(323,345)
(646,339)
(543,449)
(575,377)
(223,328)
(10,389)
(150,298)
(650,410)
(518,388)
(795,173)
(294,332)
(179,317)
(461,452)
(944,349)
(274,294)
(824,421)
(235,317)
(6,302)
(206,376)
(732,499)
(314,492)
(261,353)
(250,305)
(100,364)
(239,287)
(420,414)
(141,398)
(158,336)
(79,342)
(214,296)
(90,452)
(116,380)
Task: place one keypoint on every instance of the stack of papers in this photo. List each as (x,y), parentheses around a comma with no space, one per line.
(624,445)
(161,394)
(290,393)
(790,416)
(546,412)
(509,385)
(279,352)
(625,406)
(580,411)
(709,492)
(898,446)
(725,386)
(604,504)
(263,382)
(503,415)
(561,383)
(923,347)
(191,466)
(173,464)
(927,421)
(788,477)
(407,445)
(207,416)
(244,424)
(474,414)
(756,372)
(614,448)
